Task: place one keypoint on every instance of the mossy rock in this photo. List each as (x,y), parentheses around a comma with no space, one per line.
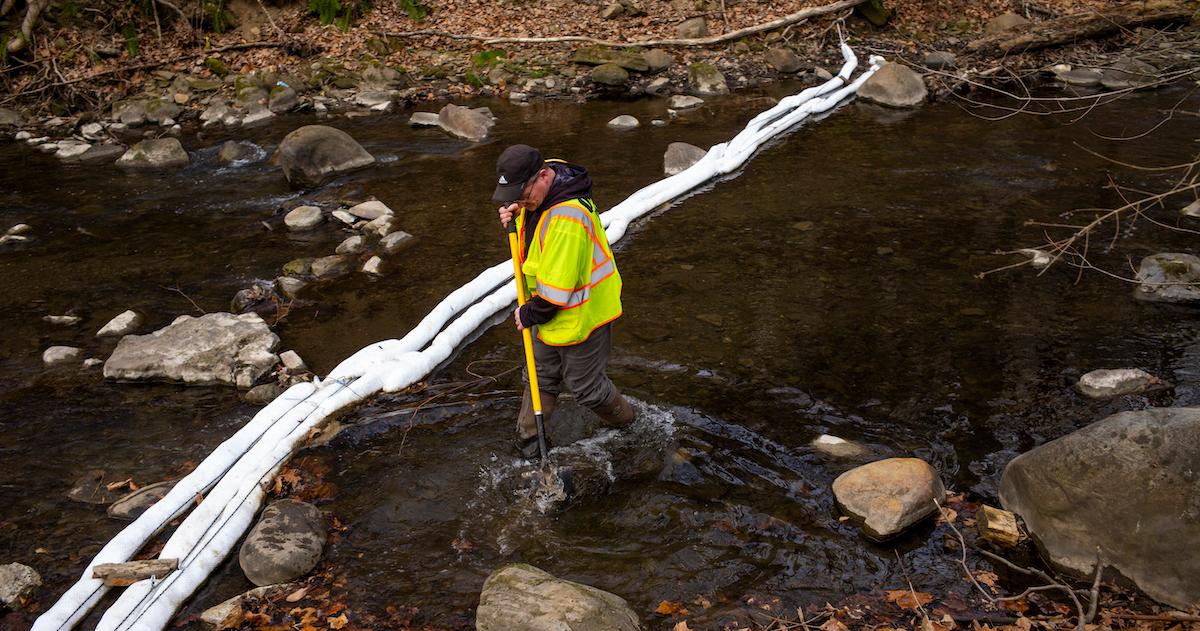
(609,74)
(875,12)
(216,66)
(600,55)
(298,267)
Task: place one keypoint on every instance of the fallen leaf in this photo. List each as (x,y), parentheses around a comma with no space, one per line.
(833,624)
(986,578)
(670,608)
(908,599)
(338,622)
(703,602)
(128,482)
(682,626)
(297,595)
(947,515)
(1020,606)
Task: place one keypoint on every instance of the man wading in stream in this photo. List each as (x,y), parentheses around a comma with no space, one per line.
(573,280)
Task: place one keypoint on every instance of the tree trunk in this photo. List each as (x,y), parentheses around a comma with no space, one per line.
(1071,28)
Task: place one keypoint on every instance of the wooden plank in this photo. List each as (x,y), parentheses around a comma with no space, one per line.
(998,526)
(130,572)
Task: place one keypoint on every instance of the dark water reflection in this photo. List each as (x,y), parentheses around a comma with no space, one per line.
(830,287)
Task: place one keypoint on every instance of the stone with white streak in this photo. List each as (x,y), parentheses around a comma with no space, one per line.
(123,324)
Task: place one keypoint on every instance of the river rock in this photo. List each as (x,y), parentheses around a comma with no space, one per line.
(613,10)
(600,55)
(1125,484)
(1127,73)
(609,74)
(17,581)
(423,119)
(658,86)
(704,79)
(373,266)
(159,111)
(1004,22)
(102,154)
(238,151)
(658,60)
(285,544)
(282,99)
(1169,277)
(380,226)
(313,154)
(352,245)
(256,114)
(123,324)
(298,267)
(894,85)
(289,287)
(92,131)
(251,95)
(370,210)
(395,241)
(57,355)
(838,447)
(623,122)
(131,113)
(1083,77)
(683,102)
(692,28)
(889,495)
(216,614)
(303,218)
(65,320)
(136,503)
(69,151)
(263,394)
(940,59)
(1102,384)
(331,266)
(375,100)
(18,229)
(345,217)
(523,597)
(465,123)
(155,153)
(216,348)
(10,118)
(215,114)
(783,60)
(680,156)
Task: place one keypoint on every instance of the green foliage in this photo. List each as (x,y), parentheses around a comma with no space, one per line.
(325,10)
(486,59)
(70,8)
(217,66)
(474,79)
(215,15)
(415,10)
(130,35)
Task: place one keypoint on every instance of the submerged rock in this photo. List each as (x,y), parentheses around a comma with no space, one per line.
(683,102)
(838,447)
(332,266)
(680,156)
(623,122)
(465,123)
(1125,484)
(17,582)
(92,488)
(285,544)
(894,85)
(395,241)
(217,348)
(155,154)
(523,597)
(423,119)
(1100,384)
(889,495)
(1128,73)
(303,218)
(313,154)
(238,151)
(1169,277)
(133,505)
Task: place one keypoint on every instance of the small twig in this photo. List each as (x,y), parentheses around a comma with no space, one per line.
(189,299)
(1095,593)
(1171,616)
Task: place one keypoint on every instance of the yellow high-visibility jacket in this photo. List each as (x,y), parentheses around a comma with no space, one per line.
(570,265)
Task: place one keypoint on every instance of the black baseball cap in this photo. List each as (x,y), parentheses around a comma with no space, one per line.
(514,168)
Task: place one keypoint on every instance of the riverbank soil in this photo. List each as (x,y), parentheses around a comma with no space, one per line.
(86,56)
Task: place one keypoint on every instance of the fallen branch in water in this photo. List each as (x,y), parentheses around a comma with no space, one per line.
(786,20)
(1073,28)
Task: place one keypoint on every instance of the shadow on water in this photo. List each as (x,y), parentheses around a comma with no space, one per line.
(829,288)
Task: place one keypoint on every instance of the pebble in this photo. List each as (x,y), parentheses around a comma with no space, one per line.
(291,360)
(67,320)
(345,217)
(61,355)
(20,228)
(373,266)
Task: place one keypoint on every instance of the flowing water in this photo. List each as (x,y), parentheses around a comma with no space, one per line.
(829,287)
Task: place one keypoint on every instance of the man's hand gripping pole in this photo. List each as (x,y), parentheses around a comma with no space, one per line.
(527,339)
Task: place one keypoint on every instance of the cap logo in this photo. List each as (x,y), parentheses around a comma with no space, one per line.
(502,180)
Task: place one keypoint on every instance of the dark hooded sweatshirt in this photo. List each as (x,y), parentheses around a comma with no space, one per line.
(570,181)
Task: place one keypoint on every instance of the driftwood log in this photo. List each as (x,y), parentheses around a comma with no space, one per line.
(130,572)
(1072,28)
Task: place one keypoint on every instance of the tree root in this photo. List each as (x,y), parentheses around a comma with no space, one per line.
(21,40)
(786,20)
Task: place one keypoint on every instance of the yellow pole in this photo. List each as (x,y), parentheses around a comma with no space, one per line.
(527,339)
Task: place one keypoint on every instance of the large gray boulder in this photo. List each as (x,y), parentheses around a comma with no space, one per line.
(315,153)
(523,597)
(680,156)
(704,79)
(1168,277)
(216,348)
(889,495)
(894,85)
(157,153)
(17,581)
(1126,485)
(465,122)
(285,544)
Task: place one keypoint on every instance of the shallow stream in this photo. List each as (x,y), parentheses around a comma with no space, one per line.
(830,287)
